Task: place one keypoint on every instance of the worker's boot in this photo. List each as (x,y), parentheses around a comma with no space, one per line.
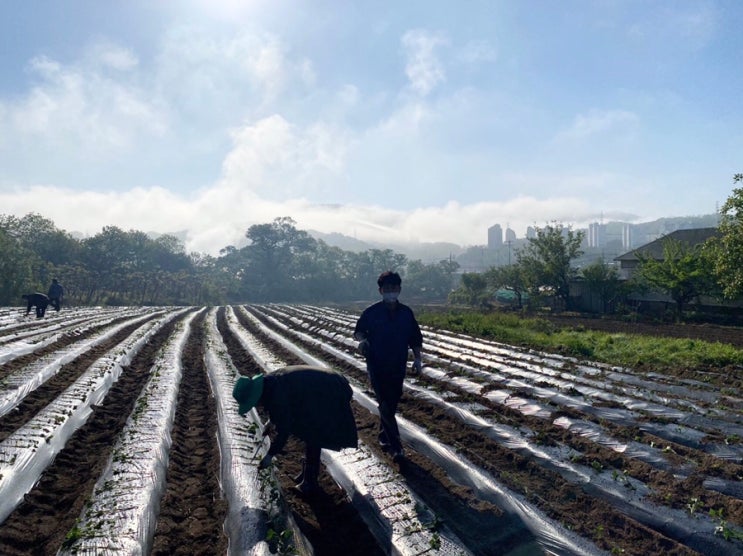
(310,471)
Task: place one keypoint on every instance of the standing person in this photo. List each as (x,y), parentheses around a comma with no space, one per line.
(311,403)
(55,294)
(386,330)
(36,299)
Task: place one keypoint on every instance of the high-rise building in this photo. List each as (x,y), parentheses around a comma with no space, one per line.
(510,235)
(596,235)
(495,236)
(531,232)
(627,237)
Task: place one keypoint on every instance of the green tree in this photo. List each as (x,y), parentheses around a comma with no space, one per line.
(430,282)
(603,280)
(273,258)
(545,260)
(472,291)
(15,269)
(368,265)
(684,273)
(41,236)
(726,251)
(510,277)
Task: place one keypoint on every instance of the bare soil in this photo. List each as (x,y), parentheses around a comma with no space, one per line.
(193,511)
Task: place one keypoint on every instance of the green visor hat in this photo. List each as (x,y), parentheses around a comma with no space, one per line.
(247,392)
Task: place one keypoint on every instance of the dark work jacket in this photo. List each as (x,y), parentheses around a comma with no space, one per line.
(37,299)
(55,291)
(390,333)
(312,404)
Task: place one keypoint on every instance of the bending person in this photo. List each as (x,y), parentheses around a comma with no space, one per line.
(39,300)
(310,403)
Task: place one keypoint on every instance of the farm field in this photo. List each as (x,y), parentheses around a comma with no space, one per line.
(118,434)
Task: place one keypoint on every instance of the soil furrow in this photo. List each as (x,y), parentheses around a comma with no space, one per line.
(41,522)
(36,400)
(192,510)
(66,339)
(485,529)
(577,509)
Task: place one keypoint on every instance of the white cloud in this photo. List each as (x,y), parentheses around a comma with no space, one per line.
(112,56)
(601,121)
(423,68)
(203,72)
(282,160)
(79,108)
(219,215)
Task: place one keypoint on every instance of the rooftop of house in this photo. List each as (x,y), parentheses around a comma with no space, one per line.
(691,237)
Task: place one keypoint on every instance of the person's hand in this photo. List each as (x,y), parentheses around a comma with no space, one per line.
(265,462)
(416,367)
(364,347)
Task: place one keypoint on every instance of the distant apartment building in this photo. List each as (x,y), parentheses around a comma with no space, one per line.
(495,237)
(596,235)
(510,235)
(627,237)
(531,232)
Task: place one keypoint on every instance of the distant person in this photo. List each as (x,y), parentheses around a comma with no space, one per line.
(311,403)
(55,294)
(39,300)
(386,330)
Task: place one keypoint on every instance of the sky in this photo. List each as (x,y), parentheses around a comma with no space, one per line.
(415,121)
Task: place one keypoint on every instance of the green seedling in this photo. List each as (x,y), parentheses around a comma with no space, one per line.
(693,505)
(723,527)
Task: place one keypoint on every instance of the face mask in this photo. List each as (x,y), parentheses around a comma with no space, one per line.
(390,297)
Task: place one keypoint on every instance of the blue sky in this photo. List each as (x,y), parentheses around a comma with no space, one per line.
(387,121)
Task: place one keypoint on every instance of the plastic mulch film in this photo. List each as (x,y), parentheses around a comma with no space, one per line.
(698,532)
(19,384)
(398,519)
(13,346)
(254,498)
(577,386)
(25,454)
(537,529)
(257,350)
(121,515)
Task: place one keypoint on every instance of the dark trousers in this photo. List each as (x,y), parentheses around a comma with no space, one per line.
(388,391)
(55,302)
(312,457)
(40,310)
(310,467)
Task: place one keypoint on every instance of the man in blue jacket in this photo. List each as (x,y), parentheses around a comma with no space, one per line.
(311,403)
(55,294)
(386,330)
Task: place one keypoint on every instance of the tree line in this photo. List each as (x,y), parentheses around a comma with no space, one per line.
(280,263)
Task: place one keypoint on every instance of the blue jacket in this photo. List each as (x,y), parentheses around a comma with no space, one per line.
(390,333)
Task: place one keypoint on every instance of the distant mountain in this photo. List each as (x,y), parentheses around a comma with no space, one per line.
(428,252)
(478,256)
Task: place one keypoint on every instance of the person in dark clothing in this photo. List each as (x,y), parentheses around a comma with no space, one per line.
(55,294)
(39,300)
(311,403)
(386,330)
